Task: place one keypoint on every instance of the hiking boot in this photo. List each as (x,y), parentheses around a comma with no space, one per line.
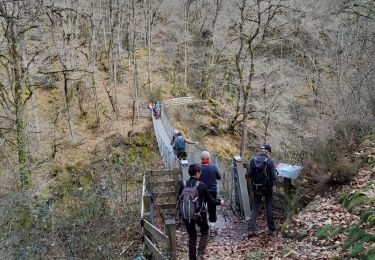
(251,233)
(271,231)
(213,232)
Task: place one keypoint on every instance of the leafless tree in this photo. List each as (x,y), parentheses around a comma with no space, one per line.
(256,23)
(18,21)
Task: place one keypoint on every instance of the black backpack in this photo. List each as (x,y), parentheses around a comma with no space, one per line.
(188,203)
(260,178)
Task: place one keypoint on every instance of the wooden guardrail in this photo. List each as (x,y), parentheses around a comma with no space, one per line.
(160,245)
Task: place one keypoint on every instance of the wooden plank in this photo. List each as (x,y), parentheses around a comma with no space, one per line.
(172,173)
(161,189)
(143,195)
(167,206)
(168,200)
(164,194)
(155,232)
(167,178)
(168,213)
(154,250)
(157,183)
(170,227)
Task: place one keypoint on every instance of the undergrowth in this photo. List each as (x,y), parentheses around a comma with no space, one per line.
(88,212)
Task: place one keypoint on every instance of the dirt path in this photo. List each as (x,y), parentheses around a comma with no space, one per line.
(232,241)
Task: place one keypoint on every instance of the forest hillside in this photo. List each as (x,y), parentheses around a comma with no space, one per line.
(76,78)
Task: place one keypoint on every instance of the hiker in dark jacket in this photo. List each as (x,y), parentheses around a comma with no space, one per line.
(204,197)
(210,175)
(258,165)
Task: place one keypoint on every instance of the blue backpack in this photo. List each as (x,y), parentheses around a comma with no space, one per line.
(180,143)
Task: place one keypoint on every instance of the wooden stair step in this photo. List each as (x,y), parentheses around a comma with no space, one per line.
(167,206)
(173,174)
(164,194)
(168,183)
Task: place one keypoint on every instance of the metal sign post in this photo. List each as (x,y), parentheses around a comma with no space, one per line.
(242,187)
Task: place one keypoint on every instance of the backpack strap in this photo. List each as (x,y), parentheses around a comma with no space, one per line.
(195,186)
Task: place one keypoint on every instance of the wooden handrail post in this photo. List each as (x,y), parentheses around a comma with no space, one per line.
(170,228)
(185,170)
(147,214)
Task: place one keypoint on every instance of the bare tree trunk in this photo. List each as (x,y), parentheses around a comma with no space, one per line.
(80,99)
(149,47)
(36,119)
(54,143)
(68,110)
(185,43)
(245,108)
(135,68)
(93,64)
(112,58)
(244,131)
(23,158)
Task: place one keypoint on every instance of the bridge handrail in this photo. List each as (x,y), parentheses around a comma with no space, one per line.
(151,233)
(193,156)
(177,101)
(169,158)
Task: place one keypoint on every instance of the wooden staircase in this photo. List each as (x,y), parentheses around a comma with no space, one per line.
(164,186)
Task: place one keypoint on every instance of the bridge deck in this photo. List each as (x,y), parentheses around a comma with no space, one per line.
(158,125)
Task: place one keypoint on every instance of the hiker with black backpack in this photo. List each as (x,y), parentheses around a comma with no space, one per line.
(262,174)
(193,196)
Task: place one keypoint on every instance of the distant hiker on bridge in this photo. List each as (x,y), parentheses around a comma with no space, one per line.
(262,174)
(157,109)
(178,143)
(193,195)
(210,175)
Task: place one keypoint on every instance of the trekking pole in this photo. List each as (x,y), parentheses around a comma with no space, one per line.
(225,215)
(224,211)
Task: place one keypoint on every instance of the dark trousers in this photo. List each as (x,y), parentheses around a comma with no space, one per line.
(211,208)
(192,232)
(257,201)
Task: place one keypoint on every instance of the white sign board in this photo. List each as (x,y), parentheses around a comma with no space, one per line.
(288,171)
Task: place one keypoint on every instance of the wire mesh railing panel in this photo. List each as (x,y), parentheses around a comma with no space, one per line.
(226,185)
(166,152)
(167,125)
